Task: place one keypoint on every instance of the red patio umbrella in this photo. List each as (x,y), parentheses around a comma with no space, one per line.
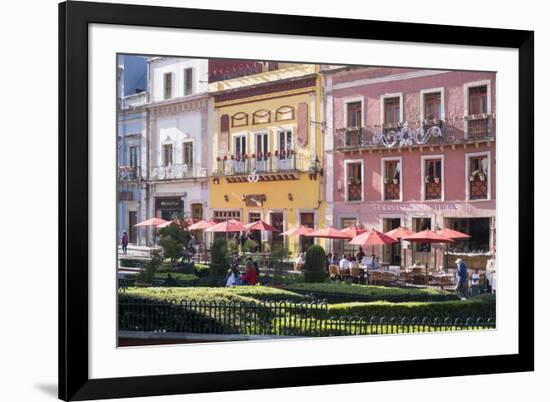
(453,234)
(201,225)
(300,230)
(179,222)
(155,222)
(399,233)
(353,231)
(373,238)
(231,225)
(428,236)
(329,233)
(260,225)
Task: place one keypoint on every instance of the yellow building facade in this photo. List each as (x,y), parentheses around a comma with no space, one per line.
(267,144)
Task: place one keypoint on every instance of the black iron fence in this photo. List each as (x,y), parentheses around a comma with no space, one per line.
(273,318)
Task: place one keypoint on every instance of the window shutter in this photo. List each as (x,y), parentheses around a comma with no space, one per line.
(302,124)
(224,134)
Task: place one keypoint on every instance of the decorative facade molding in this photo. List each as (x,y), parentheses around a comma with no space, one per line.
(265,89)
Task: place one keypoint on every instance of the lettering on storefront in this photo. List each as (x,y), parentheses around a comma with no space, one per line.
(254,200)
(385,207)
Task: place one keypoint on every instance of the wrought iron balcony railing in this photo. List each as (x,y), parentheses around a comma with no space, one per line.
(427,133)
(270,163)
(129,173)
(178,171)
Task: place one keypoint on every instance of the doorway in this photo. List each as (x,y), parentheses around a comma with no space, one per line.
(306,219)
(392,253)
(277,221)
(132,221)
(197,215)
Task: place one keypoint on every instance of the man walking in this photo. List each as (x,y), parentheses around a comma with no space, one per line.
(461,279)
(124,242)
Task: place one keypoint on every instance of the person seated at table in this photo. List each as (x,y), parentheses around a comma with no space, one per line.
(344,265)
(376,262)
(353,262)
(299,263)
(233,279)
(327,264)
(250,277)
(366,261)
(360,254)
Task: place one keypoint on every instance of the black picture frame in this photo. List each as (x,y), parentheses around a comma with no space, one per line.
(74,18)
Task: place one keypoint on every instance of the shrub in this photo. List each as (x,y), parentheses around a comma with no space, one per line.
(315,264)
(481,306)
(345,292)
(201,270)
(151,267)
(250,245)
(279,265)
(245,294)
(171,248)
(219,258)
(132,262)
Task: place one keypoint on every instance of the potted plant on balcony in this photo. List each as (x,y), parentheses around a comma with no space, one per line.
(426,179)
(472,177)
(436,179)
(395,181)
(386,180)
(482,177)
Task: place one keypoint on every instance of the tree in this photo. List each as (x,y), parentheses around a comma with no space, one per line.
(174,238)
(314,266)
(151,267)
(219,262)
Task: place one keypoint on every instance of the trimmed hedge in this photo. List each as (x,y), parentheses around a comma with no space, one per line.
(128,262)
(345,292)
(202,270)
(249,294)
(480,306)
(178,276)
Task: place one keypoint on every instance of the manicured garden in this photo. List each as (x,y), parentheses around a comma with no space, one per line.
(172,293)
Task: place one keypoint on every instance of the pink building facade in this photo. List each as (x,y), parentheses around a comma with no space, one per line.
(415,148)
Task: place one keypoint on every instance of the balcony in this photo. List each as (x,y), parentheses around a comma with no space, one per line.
(355,190)
(268,167)
(129,173)
(133,101)
(392,190)
(178,172)
(480,126)
(467,130)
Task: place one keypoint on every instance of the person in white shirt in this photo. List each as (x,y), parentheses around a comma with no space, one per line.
(344,264)
(299,263)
